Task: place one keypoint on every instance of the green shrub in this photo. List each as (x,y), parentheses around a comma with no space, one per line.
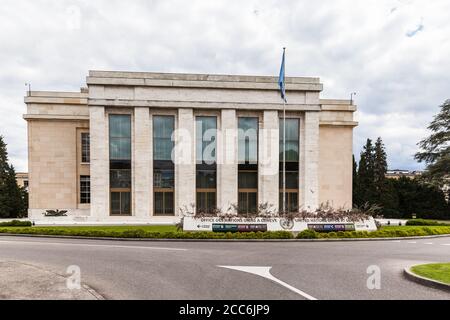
(423,222)
(16,223)
(308,234)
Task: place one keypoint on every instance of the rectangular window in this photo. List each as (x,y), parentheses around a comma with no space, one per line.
(163,166)
(248,165)
(248,140)
(292,140)
(119,137)
(206,170)
(206,134)
(85,148)
(85,189)
(120,163)
(292,165)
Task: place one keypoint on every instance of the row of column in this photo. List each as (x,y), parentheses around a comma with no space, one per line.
(185,188)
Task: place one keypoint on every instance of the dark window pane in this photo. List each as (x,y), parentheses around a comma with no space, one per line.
(120,179)
(168,203)
(115,202)
(242,202)
(248,140)
(163,179)
(291,180)
(211,202)
(252,202)
(85,147)
(159,203)
(201,202)
(248,180)
(206,179)
(85,189)
(163,127)
(206,202)
(293,202)
(125,202)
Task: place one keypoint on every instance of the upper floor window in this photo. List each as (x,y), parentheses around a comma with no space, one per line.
(248,140)
(163,127)
(120,137)
(292,140)
(206,133)
(85,189)
(85,148)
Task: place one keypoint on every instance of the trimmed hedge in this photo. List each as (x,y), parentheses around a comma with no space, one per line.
(139,233)
(382,233)
(16,223)
(423,222)
(388,232)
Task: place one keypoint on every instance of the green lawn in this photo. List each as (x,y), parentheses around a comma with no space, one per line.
(439,272)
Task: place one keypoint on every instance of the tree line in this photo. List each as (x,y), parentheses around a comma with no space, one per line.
(404,197)
(13,199)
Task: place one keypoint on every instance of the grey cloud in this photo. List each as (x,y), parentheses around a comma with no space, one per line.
(352,46)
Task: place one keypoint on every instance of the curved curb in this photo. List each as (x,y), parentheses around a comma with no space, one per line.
(223,240)
(408,274)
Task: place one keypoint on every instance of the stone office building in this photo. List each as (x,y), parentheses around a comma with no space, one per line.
(137,147)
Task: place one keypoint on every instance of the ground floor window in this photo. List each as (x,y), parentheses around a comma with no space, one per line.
(206,184)
(85,189)
(120,202)
(163,184)
(292,189)
(248,190)
(291,201)
(120,188)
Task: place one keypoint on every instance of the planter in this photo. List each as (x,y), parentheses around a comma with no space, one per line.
(237,224)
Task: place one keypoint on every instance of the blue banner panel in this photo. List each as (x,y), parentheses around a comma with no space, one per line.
(331,227)
(224,227)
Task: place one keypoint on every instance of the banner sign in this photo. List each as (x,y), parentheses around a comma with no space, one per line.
(216,227)
(331,227)
(238,224)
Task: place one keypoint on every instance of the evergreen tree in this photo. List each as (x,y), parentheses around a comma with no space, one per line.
(436,148)
(12,203)
(380,165)
(366,174)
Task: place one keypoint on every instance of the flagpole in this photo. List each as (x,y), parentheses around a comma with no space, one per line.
(284,156)
(284,142)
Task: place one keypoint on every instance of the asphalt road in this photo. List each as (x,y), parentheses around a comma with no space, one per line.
(194,270)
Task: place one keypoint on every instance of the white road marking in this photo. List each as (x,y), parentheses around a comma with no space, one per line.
(265,273)
(412,242)
(89,245)
(445,244)
(428,243)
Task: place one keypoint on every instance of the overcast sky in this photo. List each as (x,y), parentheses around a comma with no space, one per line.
(394,53)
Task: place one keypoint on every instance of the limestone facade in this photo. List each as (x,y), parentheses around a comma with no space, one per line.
(58,120)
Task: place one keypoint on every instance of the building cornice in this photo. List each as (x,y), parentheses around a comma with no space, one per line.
(180,80)
(55,117)
(339,123)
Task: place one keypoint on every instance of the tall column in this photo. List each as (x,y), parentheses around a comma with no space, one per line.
(310,186)
(185,160)
(99,167)
(142,163)
(227,153)
(268,187)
